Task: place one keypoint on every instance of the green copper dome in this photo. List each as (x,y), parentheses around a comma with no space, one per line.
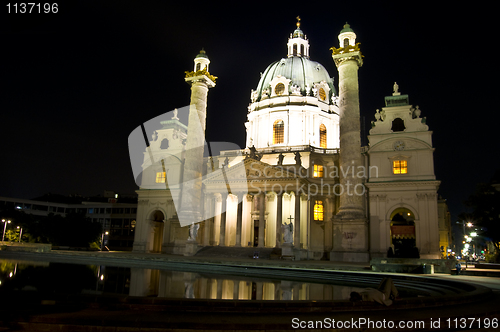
(202,54)
(298,33)
(302,71)
(347,28)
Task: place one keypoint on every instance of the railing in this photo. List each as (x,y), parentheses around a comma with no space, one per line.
(296,148)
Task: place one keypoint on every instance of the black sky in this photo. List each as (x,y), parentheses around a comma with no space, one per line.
(76,83)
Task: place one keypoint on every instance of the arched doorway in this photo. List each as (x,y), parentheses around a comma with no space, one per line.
(403,236)
(158,219)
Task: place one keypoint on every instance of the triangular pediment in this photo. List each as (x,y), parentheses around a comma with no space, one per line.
(249,170)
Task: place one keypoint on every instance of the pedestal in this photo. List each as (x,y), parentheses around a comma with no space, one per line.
(191,248)
(287,250)
(350,241)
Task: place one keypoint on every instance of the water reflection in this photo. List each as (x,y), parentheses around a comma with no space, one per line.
(145,282)
(85,279)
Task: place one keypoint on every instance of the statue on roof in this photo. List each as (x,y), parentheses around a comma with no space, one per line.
(298,161)
(253,153)
(175,114)
(396,88)
(280,159)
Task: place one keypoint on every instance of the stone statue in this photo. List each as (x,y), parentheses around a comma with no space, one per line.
(396,87)
(265,93)
(254,95)
(193,231)
(383,115)
(308,90)
(417,112)
(335,100)
(254,154)
(188,290)
(297,158)
(280,159)
(287,230)
(295,90)
(155,136)
(377,115)
(175,115)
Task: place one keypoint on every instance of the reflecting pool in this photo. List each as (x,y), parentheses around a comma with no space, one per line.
(49,277)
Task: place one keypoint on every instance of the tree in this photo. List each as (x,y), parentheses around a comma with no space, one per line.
(74,229)
(485,203)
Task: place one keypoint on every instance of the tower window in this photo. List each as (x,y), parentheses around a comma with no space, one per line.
(294,49)
(398,124)
(400,166)
(160,177)
(322,136)
(302,49)
(346,42)
(318,210)
(164,144)
(318,171)
(278,131)
(198,65)
(279,89)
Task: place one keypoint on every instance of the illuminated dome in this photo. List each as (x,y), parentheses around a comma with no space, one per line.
(302,72)
(295,103)
(299,75)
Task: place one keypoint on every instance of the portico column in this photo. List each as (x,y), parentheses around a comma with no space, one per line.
(239,218)
(208,220)
(222,236)
(262,215)
(296,230)
(279,216)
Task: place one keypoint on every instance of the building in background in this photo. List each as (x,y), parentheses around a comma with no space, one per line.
(116,214)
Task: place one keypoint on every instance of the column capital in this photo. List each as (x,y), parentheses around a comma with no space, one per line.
(339,59)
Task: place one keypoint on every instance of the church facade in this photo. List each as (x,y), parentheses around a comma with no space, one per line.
(303,184)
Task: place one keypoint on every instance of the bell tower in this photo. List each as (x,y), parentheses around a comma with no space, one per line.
(350,228)
(200,81)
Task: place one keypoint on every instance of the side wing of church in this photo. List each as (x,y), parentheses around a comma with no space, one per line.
(303,186)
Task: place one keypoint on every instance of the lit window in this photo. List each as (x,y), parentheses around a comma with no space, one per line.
(160,177)
(279,89)
(278,131)
(318,171)
(318,210)
(322,136)
(400,166)
(322,94)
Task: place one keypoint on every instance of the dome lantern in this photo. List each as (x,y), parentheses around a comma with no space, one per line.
(201,61)
(298,45)
(347,37)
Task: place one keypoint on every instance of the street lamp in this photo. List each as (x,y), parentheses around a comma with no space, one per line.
(5,222)
(102,238)
(20,232)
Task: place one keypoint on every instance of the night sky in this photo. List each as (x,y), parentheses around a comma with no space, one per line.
(76,83)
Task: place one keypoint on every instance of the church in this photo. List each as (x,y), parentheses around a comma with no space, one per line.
(303,186)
